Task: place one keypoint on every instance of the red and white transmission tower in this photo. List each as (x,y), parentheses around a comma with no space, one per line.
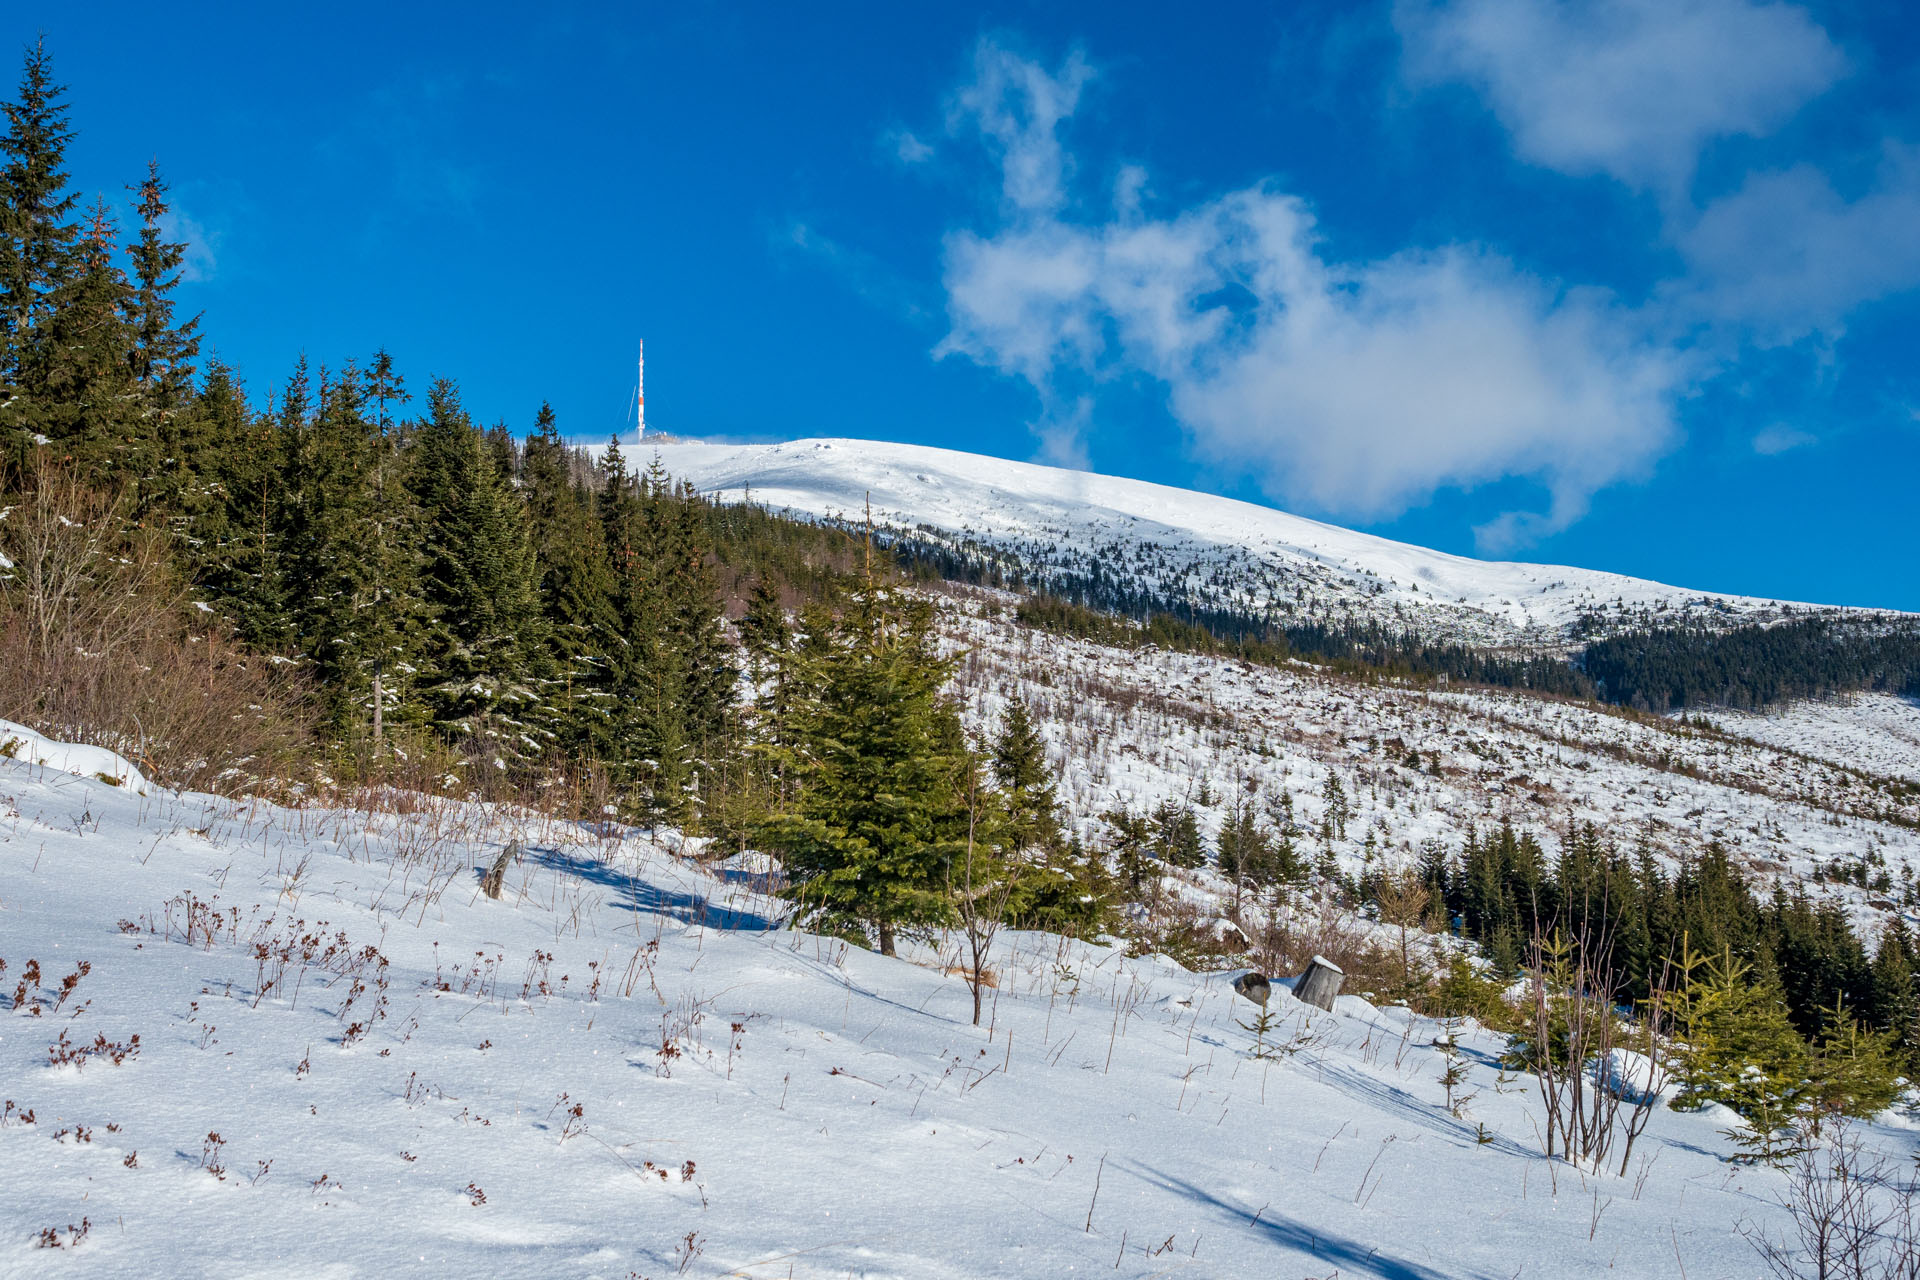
(640,394)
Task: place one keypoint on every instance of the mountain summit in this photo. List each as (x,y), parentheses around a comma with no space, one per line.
(1073,530)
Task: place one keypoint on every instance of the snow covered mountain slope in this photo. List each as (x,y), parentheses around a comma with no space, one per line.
(1209,551)
(1820,797)
(299,1042)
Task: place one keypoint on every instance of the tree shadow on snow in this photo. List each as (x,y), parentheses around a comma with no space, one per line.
(642,897)
(1287,1234)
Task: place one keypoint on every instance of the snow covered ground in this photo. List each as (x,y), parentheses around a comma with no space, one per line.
(628,1067)
(1210,550)
(1135,728)
(1879,732)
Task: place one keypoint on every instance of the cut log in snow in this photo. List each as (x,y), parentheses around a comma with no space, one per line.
(1254,986)
(1320,983)
(497,874)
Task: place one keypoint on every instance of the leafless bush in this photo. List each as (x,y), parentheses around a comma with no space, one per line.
(104,647)
(49,1237)
(980,900)
(686,1251)
(210,1159)
(1294,933)
(1852,1219)
(1570,1041)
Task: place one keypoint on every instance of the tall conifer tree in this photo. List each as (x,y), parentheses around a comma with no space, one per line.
(485,653)
(38,247)
(576,591)
(883,807)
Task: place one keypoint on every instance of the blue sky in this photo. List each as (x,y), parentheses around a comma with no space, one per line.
(1633,285)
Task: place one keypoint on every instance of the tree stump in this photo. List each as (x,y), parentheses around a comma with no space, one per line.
(1255,987)
(1319,983)
(497,873)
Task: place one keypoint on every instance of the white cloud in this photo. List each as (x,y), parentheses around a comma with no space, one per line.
(1779,438)
(1358,388)
(1629,88)
(1787,256)
(907,148)
(1017,108)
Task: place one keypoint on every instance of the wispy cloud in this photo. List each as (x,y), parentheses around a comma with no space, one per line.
(1016,107)
(858,270)
(1779,438)
(1786,255)
(1357,387)
(904,146)
(202,258)
(1628,88)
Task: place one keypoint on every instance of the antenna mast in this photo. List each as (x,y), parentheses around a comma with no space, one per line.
(640,394)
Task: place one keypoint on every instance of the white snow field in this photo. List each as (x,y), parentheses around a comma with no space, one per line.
(1135,728)
(1874,731)
(1208,549)
(628,1067)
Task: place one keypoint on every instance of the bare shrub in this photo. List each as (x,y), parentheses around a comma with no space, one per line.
(64,1053)
(1571,1041)
(1852,1218)
(1296,932)
(980,900)
(1405,903)
(105,648)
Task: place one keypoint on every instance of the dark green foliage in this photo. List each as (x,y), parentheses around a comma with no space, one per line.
(485,656)
(38,250)
(1127,619)
(887,775)
(1176,836)
(1661,669)
(1504,890)
(1131,844)
(671,671)
(1026,786)
(162,351)
(1057,884)
(1257,853)
(1657,669)
(576,589)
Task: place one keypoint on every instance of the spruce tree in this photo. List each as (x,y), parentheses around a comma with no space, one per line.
(1026,785)
(85,406)
(882,810)
(483,658)
(360,606)
(396,614)
(1056,884)
(1176,837)
(576,592)
(39,246)
(162,351)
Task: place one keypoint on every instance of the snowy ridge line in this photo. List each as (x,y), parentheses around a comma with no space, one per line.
(1214,551)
